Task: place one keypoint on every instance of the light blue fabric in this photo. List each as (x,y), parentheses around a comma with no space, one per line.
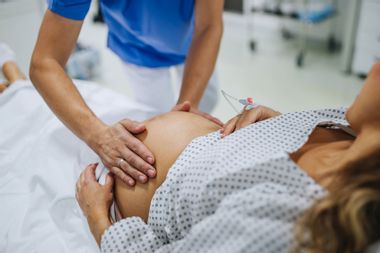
(149,33)
(316,16)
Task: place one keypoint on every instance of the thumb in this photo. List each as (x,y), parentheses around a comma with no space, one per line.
(89,172)
(184,107)
(109,182)
(132,126)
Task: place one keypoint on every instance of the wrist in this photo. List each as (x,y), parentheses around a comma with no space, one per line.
(98,220)
(97,214)
(93,130)
(99,226)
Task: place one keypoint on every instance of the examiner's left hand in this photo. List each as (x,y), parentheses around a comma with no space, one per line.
(95,200)
(186,107)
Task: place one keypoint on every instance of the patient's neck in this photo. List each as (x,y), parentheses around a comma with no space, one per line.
(366,146)
(322,152)
(324,160)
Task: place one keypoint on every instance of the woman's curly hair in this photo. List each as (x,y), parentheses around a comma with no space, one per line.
(347,220)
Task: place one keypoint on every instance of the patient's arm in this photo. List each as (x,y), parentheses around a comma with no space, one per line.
(166,136)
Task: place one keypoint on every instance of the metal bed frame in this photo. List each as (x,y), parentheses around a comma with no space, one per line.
(306,17)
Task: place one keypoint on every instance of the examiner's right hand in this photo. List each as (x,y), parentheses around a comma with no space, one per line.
(122,153)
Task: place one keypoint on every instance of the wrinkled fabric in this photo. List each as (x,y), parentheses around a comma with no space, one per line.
(238,194)
(40,160)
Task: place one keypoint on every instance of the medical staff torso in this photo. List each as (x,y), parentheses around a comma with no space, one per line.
(142,32)
(150,33)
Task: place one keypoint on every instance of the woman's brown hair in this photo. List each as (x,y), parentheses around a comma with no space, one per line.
(347,220)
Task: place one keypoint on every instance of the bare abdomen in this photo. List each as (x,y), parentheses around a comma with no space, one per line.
(167,136)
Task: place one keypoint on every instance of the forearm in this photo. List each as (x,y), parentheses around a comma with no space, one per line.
(56,40)
(200,63)
(63,98)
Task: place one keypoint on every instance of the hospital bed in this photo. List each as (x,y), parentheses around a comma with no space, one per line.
(40,160)
(307,13)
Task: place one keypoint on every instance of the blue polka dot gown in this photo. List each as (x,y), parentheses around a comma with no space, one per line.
(238,194)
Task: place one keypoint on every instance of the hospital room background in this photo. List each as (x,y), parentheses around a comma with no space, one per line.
(260,55)
(290,55)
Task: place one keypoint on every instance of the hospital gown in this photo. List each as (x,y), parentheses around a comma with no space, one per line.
(238,194)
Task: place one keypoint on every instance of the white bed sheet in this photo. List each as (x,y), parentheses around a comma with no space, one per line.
(40,160)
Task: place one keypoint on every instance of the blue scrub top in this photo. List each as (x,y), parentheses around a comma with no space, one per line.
(150,33)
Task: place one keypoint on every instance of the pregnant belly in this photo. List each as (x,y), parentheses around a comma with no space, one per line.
(166,136)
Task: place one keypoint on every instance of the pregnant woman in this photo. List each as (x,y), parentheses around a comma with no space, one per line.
(304,181)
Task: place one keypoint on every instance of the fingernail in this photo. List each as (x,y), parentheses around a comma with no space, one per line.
(131,182)
(142,179)
(150,160)
(151,173)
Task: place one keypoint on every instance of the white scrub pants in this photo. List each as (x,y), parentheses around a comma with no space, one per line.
(159,88)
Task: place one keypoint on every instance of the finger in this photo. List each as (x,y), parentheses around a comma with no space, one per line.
(133,172)
(214,119)
(81,179)
(209,117)
(238,124)
(109,182)
(123,177)
(109,159)
(89,173)
(254,115)
(248,118)
(133,126)
(137,162)
(230,126)
(184,107)
(90,166)
(228,122)
(139,149)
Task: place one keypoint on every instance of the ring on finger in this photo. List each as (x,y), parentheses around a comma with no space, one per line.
(119,161)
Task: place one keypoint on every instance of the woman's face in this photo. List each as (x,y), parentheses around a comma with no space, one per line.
(365,111)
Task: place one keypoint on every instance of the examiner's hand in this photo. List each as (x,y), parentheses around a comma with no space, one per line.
(186,107)
(248,117)
(122,153)
(95,200)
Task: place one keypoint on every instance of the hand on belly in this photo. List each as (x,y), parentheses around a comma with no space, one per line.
(166,136)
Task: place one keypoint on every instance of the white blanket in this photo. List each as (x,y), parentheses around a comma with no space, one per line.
(40,160)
